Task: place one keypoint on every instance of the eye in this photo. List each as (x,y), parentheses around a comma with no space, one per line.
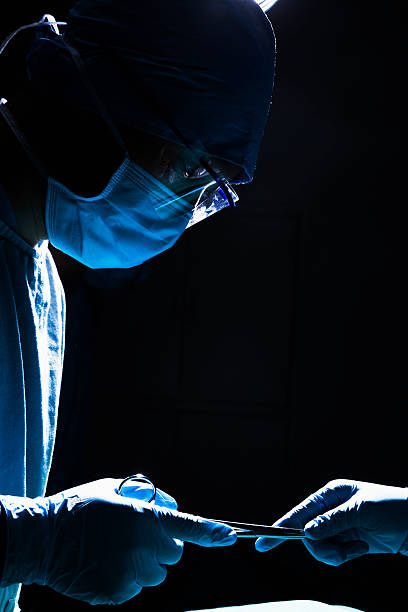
(194,172)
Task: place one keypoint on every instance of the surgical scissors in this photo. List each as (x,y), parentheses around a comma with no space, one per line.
(139,482)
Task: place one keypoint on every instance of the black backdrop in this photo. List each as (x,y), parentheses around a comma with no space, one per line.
(263,355)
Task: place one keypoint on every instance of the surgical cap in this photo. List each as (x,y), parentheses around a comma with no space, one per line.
(209,63)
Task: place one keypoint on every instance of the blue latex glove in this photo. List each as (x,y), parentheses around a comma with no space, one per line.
(95,545)
(346,519)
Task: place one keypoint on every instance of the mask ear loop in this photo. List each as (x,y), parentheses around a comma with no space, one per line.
(80,66)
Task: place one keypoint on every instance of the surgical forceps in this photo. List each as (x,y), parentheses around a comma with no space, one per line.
(243,530)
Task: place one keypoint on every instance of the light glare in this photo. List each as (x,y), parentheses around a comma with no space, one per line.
(266,4)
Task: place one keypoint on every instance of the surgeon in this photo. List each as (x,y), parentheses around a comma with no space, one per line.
(134,121)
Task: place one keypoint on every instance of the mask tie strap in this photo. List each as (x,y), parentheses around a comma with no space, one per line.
(91,90)
(5,112)
(80,66)
(11,122)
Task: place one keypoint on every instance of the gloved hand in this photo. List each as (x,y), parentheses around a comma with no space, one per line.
(347,519)
(95,545)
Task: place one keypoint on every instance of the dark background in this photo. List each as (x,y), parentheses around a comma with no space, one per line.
(265,353)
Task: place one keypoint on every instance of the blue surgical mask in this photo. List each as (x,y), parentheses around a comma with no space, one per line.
(127,224)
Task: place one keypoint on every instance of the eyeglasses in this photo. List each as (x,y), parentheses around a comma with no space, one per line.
(213,200)
(201,202)
(214,197)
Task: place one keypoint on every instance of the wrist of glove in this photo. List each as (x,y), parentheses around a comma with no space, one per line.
(92,544)
(31,535)
(3,539)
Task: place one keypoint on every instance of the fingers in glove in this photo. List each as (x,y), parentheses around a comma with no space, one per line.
(194,529)
(328,497)
(336,553)
(170,550)
(148,570)
(264,544)
(165,500)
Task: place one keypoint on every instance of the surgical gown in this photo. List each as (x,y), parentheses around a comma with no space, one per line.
(32,326)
